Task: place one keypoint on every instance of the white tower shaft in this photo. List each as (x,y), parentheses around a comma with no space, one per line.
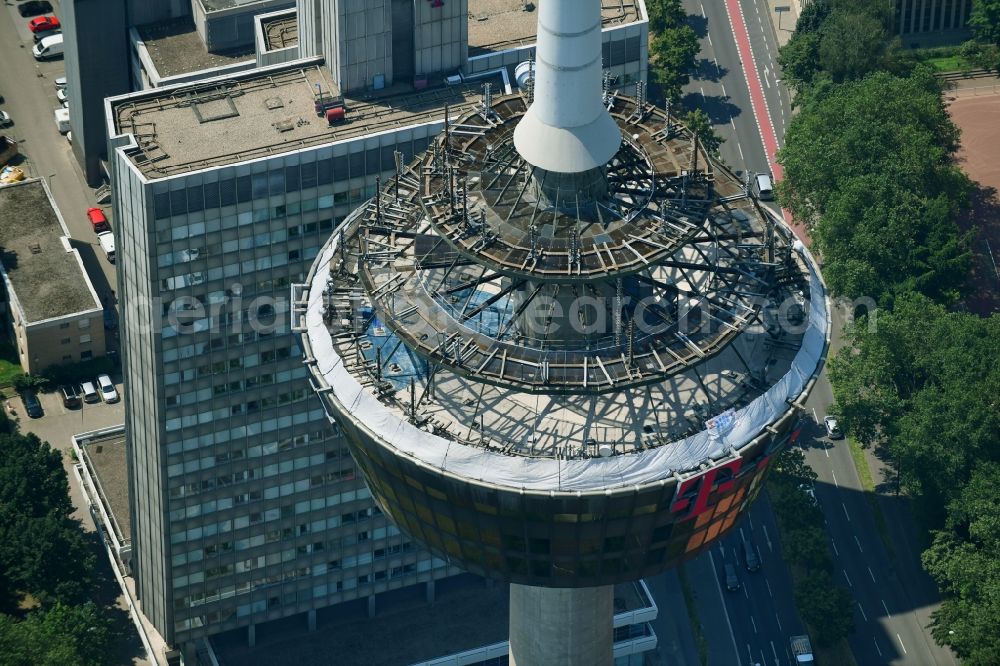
(567,129)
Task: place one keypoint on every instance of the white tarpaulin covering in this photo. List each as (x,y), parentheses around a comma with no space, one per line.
(543,474)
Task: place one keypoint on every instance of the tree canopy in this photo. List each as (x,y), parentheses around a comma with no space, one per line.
(674,46)
(965,561)
(924,383)
(869,166)
(59,636)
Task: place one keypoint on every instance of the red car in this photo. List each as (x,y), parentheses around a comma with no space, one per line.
(43,23)
(97,220)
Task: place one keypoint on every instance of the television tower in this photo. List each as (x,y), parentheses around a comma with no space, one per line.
(563,343)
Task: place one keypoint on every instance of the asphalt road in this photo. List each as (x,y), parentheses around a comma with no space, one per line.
(30,98)
(762,611)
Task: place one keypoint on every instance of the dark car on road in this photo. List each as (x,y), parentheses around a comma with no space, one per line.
(31,404)
(750,557)
(34,8)
(70,396)
(732,580)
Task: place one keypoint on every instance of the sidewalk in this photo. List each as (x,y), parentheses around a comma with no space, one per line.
(783,22)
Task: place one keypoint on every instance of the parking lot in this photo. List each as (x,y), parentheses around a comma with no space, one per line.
(59,424)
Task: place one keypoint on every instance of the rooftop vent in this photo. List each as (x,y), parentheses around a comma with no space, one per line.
(273,103)
(284,125)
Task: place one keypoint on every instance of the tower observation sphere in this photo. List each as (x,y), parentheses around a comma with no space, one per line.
(563,373)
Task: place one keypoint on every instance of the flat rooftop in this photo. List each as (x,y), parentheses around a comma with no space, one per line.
(175,47)
(281,31)
(251,115)
(106,458)
(47,280)
(465,615)
(498,25)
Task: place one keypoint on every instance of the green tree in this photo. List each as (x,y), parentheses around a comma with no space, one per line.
(852,44)
(42,550)
(924,383)
(964,559)
(807,547)
(665,14)
(799,59)
(673,54)
(698,122)
(984,19)
(59,636)
(827,608)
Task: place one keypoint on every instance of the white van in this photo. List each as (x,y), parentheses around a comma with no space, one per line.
(763,186)
(48,48)
(107,241)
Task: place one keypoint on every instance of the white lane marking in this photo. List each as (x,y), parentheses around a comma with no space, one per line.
(778,620)
(703,11)
(745,592)
(862,611)
(870,571)
(901,643)
(834,474)
(709,39)
(876,646)
(724,93)
(740,148)
(766,535)
(769,593)
(702,94)
(815,418)
(845,511)
(718,70)
(750,653)
(826,450)
(836,552)
(776,662)
(863,550)
(847,577)
(887,613)
(754,624)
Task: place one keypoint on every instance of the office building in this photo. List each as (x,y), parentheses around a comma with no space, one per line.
(53,313)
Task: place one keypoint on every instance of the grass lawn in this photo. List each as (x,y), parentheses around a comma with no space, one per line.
(10,365)
(952,63)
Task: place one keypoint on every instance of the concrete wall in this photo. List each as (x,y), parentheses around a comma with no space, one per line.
(63,340)
(357,40)
(265,54)
(233,28)
(96,58)
(141,12)
(441,36)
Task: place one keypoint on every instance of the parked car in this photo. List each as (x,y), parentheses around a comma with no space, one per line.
(42,34)
(90,393)
(832,427)
(732,580)
(107,389)
(31,404)
(60,82)
(34,8)
(42,23)
(97,220)
(70,396)
(10,174)
(62,95)
(5,119)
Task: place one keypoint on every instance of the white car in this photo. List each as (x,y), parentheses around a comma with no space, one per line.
(62,95)
(107,389)
(5,119)
(60,82)
(832,427)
